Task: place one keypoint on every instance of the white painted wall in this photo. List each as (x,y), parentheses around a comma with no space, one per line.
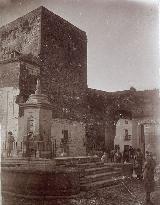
(152,138)
(9,111)
(121,125)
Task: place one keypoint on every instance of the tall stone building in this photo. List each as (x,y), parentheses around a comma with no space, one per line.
(45,46)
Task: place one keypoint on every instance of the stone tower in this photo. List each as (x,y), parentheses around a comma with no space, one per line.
(42,44)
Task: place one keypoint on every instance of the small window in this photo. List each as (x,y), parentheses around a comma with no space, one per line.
(126,135)
(126,121)
(126,147)
(65,135)
(126,132)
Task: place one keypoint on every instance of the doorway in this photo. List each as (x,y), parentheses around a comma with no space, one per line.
(142,138)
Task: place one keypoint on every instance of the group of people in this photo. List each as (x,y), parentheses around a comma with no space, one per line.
(117,156)
(143,166)
(29,142)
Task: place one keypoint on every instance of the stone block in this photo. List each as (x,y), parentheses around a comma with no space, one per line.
(33,182)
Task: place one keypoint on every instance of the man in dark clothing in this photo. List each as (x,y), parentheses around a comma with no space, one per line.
(112,153)
(139,163)
(118,156)
(126,156)
(131,153)
(148,175)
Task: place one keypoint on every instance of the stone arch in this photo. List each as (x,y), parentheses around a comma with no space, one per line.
(110,127)
(149,137)
(122,113)
(123,129)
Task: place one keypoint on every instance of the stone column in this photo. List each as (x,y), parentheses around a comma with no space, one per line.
(37,116)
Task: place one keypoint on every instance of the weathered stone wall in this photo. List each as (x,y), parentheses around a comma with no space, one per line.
(17,73)
(40,183)
(76,136)
(64,57)
(22,35)
(135,134)
(27,79)
(103,109)
(9,74)
(64,52)
(62,49)
(17,82)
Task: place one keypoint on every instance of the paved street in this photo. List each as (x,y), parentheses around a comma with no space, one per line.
(129,192)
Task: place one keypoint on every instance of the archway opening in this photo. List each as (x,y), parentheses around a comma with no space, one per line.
(123,130)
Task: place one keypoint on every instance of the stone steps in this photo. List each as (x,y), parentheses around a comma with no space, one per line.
(93,173)
(95,176)
(34,163)
(100,184)
(91,165)
(100,177)
(75,160)
(101,169)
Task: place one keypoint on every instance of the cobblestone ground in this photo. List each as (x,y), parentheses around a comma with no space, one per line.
(129,192)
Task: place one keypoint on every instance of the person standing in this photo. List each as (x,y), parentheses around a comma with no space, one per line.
(104,157)
(131,153)
(125,156)
(30,145)
(138,163)
(148,175)
(118,156)
(112,153)
(10,143)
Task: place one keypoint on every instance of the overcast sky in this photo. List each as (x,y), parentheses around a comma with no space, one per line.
(122,38)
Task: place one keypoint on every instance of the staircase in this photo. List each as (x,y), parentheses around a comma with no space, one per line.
(99,175)
(93,173)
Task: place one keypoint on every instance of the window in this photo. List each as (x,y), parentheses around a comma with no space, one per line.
(126,121)
(126,135)
(126,132)
(65,136)
(126,147)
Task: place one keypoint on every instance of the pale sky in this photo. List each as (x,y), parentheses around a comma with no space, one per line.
(122,38)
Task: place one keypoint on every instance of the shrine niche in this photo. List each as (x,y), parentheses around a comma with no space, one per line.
(31,124)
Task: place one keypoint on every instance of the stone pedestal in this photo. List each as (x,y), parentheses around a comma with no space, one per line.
(37,119)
